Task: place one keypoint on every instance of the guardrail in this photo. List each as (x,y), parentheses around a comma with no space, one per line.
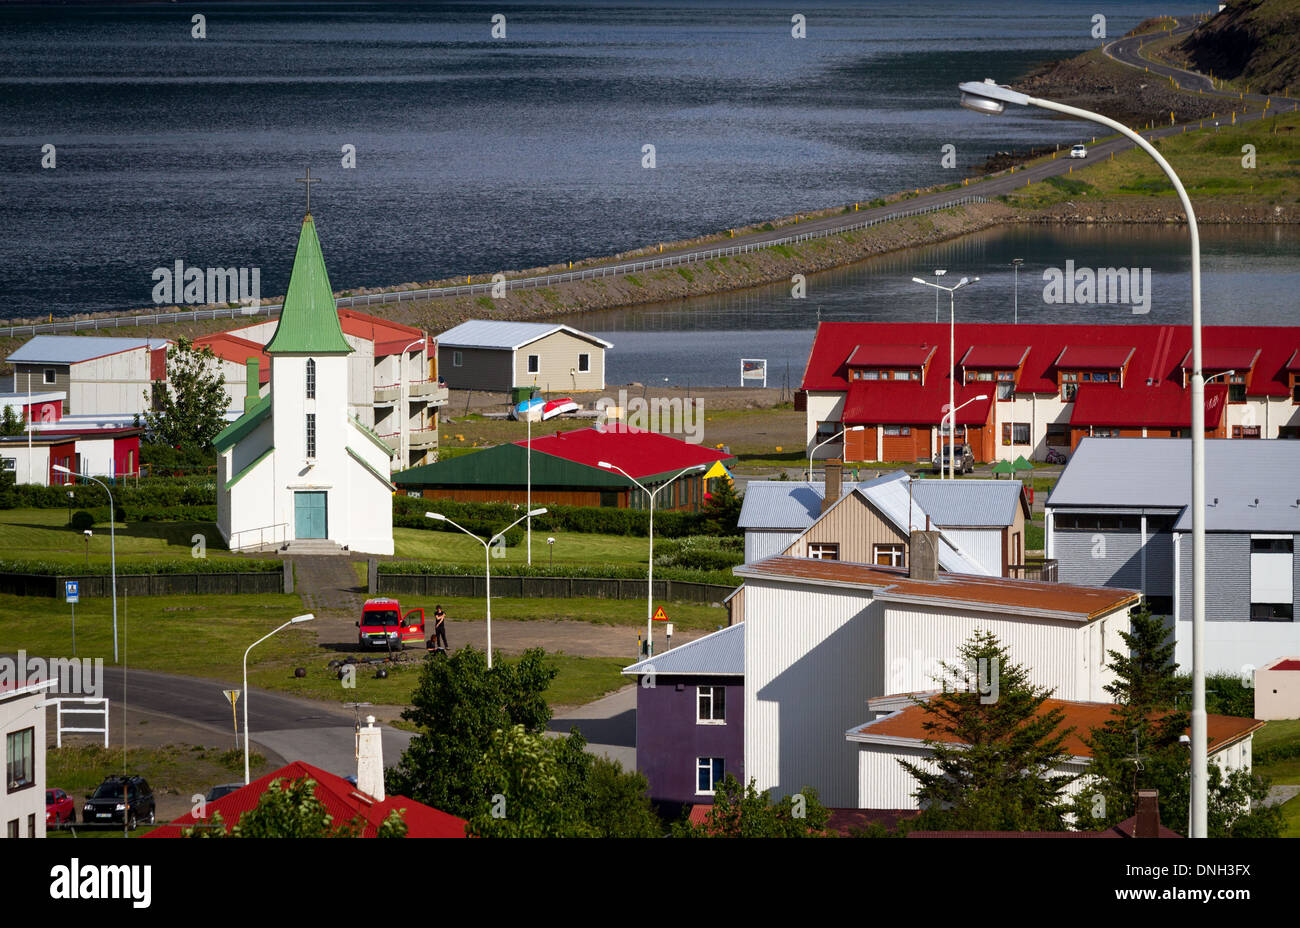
(515,283)
(94,706)
(278,528)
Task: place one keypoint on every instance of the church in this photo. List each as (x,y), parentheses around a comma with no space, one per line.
(296,472)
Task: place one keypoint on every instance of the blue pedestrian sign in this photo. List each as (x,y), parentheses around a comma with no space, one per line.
(72,589)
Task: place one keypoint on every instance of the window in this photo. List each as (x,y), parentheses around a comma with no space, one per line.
(534,363)
(1295,388)
(13,828)
(9,464)
(311,378)
(1093,522)
(20,760)
(456,359)
(31,825)
(827,430)
(1058,435)
(311,435)
(584,362)
(1245,431)
(1069,386)
(711,708)
(1105,433)
(1160,605)
(49,375)
(1015,433)
(898,430)
(708,774)
(1236,388)
(824,551)
(1271,546)
(1271,612)
(1007,386)
(887,555)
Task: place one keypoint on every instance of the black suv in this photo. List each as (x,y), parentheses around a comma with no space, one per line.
(118,800)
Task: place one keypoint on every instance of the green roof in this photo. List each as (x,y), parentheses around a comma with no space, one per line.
(242,427)
(366,464)
(258,460)
(507,466)
(309,321)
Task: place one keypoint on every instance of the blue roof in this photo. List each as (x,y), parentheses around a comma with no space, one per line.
(959,503)
(785,505)
(721,653)
(73,349)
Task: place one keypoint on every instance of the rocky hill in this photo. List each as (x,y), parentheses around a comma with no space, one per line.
(1255,41)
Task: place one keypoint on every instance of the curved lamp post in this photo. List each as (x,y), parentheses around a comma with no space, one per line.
(112,534)
(952,414)
(952,341)
(650,576)
(487,561)
(991,99)
(841,433)
(404,424)
(294,621)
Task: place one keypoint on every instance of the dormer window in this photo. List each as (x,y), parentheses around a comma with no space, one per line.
(311,379)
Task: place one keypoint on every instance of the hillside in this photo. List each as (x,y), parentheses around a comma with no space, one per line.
(1252,41)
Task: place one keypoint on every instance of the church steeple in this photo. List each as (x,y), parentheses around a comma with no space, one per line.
(309,321)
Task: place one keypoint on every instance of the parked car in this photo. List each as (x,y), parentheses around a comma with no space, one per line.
(224,789)
(382,624)
(965,463)
(60,808)
(1078,151)
(120,800)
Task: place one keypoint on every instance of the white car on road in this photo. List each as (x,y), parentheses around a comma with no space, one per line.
(1078,151)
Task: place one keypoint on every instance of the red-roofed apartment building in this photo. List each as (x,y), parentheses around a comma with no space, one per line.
(343,801)
(394,387)
(1048,386)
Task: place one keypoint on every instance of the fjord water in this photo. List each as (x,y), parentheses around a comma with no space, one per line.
(472,154)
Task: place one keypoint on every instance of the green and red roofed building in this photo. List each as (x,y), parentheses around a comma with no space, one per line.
(566,471)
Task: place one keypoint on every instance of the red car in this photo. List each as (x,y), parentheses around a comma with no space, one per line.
(383,624)
(59,808)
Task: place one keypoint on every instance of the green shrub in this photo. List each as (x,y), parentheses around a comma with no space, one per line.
(485,519)
(701,552)
(211,565)
(718,577)
(82,520)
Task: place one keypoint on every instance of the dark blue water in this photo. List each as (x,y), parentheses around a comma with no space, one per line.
(475,155)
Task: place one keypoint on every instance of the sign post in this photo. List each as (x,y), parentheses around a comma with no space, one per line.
(661,616)
(72,592)
(232,696)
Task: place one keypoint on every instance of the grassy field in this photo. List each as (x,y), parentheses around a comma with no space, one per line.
(1209,163)
(1280,731)
(570,548)
(43,534)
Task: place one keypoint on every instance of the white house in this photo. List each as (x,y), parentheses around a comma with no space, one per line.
(823,637)
(898,735)
(22,722)
(296,467)
(97,374)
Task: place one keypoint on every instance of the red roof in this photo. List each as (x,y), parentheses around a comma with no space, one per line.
(341,799)
(904,402)
(1094,357)
(1293,364)
(1002,357)
(1224,358)
(891,356)
(231,347)
(640,453)
(377,330)
(1139,406)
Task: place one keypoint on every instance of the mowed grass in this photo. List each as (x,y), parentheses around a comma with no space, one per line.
(1291,818)
(1278,731)
(570,548)
(44,535)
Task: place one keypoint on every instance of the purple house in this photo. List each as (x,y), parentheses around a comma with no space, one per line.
(690,726)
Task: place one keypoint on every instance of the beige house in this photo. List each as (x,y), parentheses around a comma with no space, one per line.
(499,356)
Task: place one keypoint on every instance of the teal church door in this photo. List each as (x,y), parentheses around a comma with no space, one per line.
(309,514)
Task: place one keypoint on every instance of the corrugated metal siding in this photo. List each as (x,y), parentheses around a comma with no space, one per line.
(1074,550)
(759,545)
(1160,564)
(885,784)
(856,526)
(984,546)
(481,369)
(1227,577)
(808,674)
(62,381)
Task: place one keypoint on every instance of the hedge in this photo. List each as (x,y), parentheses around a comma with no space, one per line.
(718,577)
(154,492)
(198,565)
(701,552)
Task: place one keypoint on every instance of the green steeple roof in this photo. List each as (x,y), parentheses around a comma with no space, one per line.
(309,321)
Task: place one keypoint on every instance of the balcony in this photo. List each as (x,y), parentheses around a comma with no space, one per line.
(432,392)
(388,393)
(424,438)
(1034,569)
(393,440)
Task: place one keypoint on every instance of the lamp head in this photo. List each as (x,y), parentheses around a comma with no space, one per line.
(605,464)
(989,98)
(917,280)
(87,532)
(857,428)
(436,516)
(61,469)
(538,512)
(302,618)
(982,396)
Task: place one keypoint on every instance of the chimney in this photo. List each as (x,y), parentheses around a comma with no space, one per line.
(834,475)
(1147,824)
(370,760)
(923,556)
(251,388)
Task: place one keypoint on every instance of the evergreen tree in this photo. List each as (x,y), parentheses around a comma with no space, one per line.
(722,509)
(12,423)
(994,748)
(191,412)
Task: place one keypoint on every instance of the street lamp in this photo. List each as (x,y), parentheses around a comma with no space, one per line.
(296,619)
(952,427)
(88,533)
(990,98)
(840,433)
(1015,288)
(487,562)
(112,534)
(938,272)
(403,424)
(952,336)
(550,545)
(650,576)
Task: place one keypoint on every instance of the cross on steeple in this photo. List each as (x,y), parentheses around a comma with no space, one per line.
(308,180)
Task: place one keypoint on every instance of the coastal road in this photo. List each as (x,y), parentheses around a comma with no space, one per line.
(1128,51)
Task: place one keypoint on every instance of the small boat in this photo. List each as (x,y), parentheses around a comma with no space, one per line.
(528,409)
(558,407)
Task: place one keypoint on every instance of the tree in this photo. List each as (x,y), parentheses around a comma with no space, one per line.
(189,407)
(744,812)
(11,423)
(293,811)
(532,778)
(996,750)
(722,509)
(1139,747)
(458,704)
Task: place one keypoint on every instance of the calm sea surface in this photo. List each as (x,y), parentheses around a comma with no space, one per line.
(472,154)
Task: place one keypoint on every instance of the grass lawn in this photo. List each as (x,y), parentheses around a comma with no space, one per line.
(570,548)
(1291,818)
(1279,731)
(43,534)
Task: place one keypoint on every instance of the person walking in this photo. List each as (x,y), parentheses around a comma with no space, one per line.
(439,629)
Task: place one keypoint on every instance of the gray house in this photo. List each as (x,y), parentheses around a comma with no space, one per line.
(1120,516)
(498,356)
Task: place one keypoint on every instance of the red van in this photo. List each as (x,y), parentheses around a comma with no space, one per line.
(382,624)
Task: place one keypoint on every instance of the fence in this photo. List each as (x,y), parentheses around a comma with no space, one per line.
(99,707)
(101,585)
(516,283)
(549,587)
